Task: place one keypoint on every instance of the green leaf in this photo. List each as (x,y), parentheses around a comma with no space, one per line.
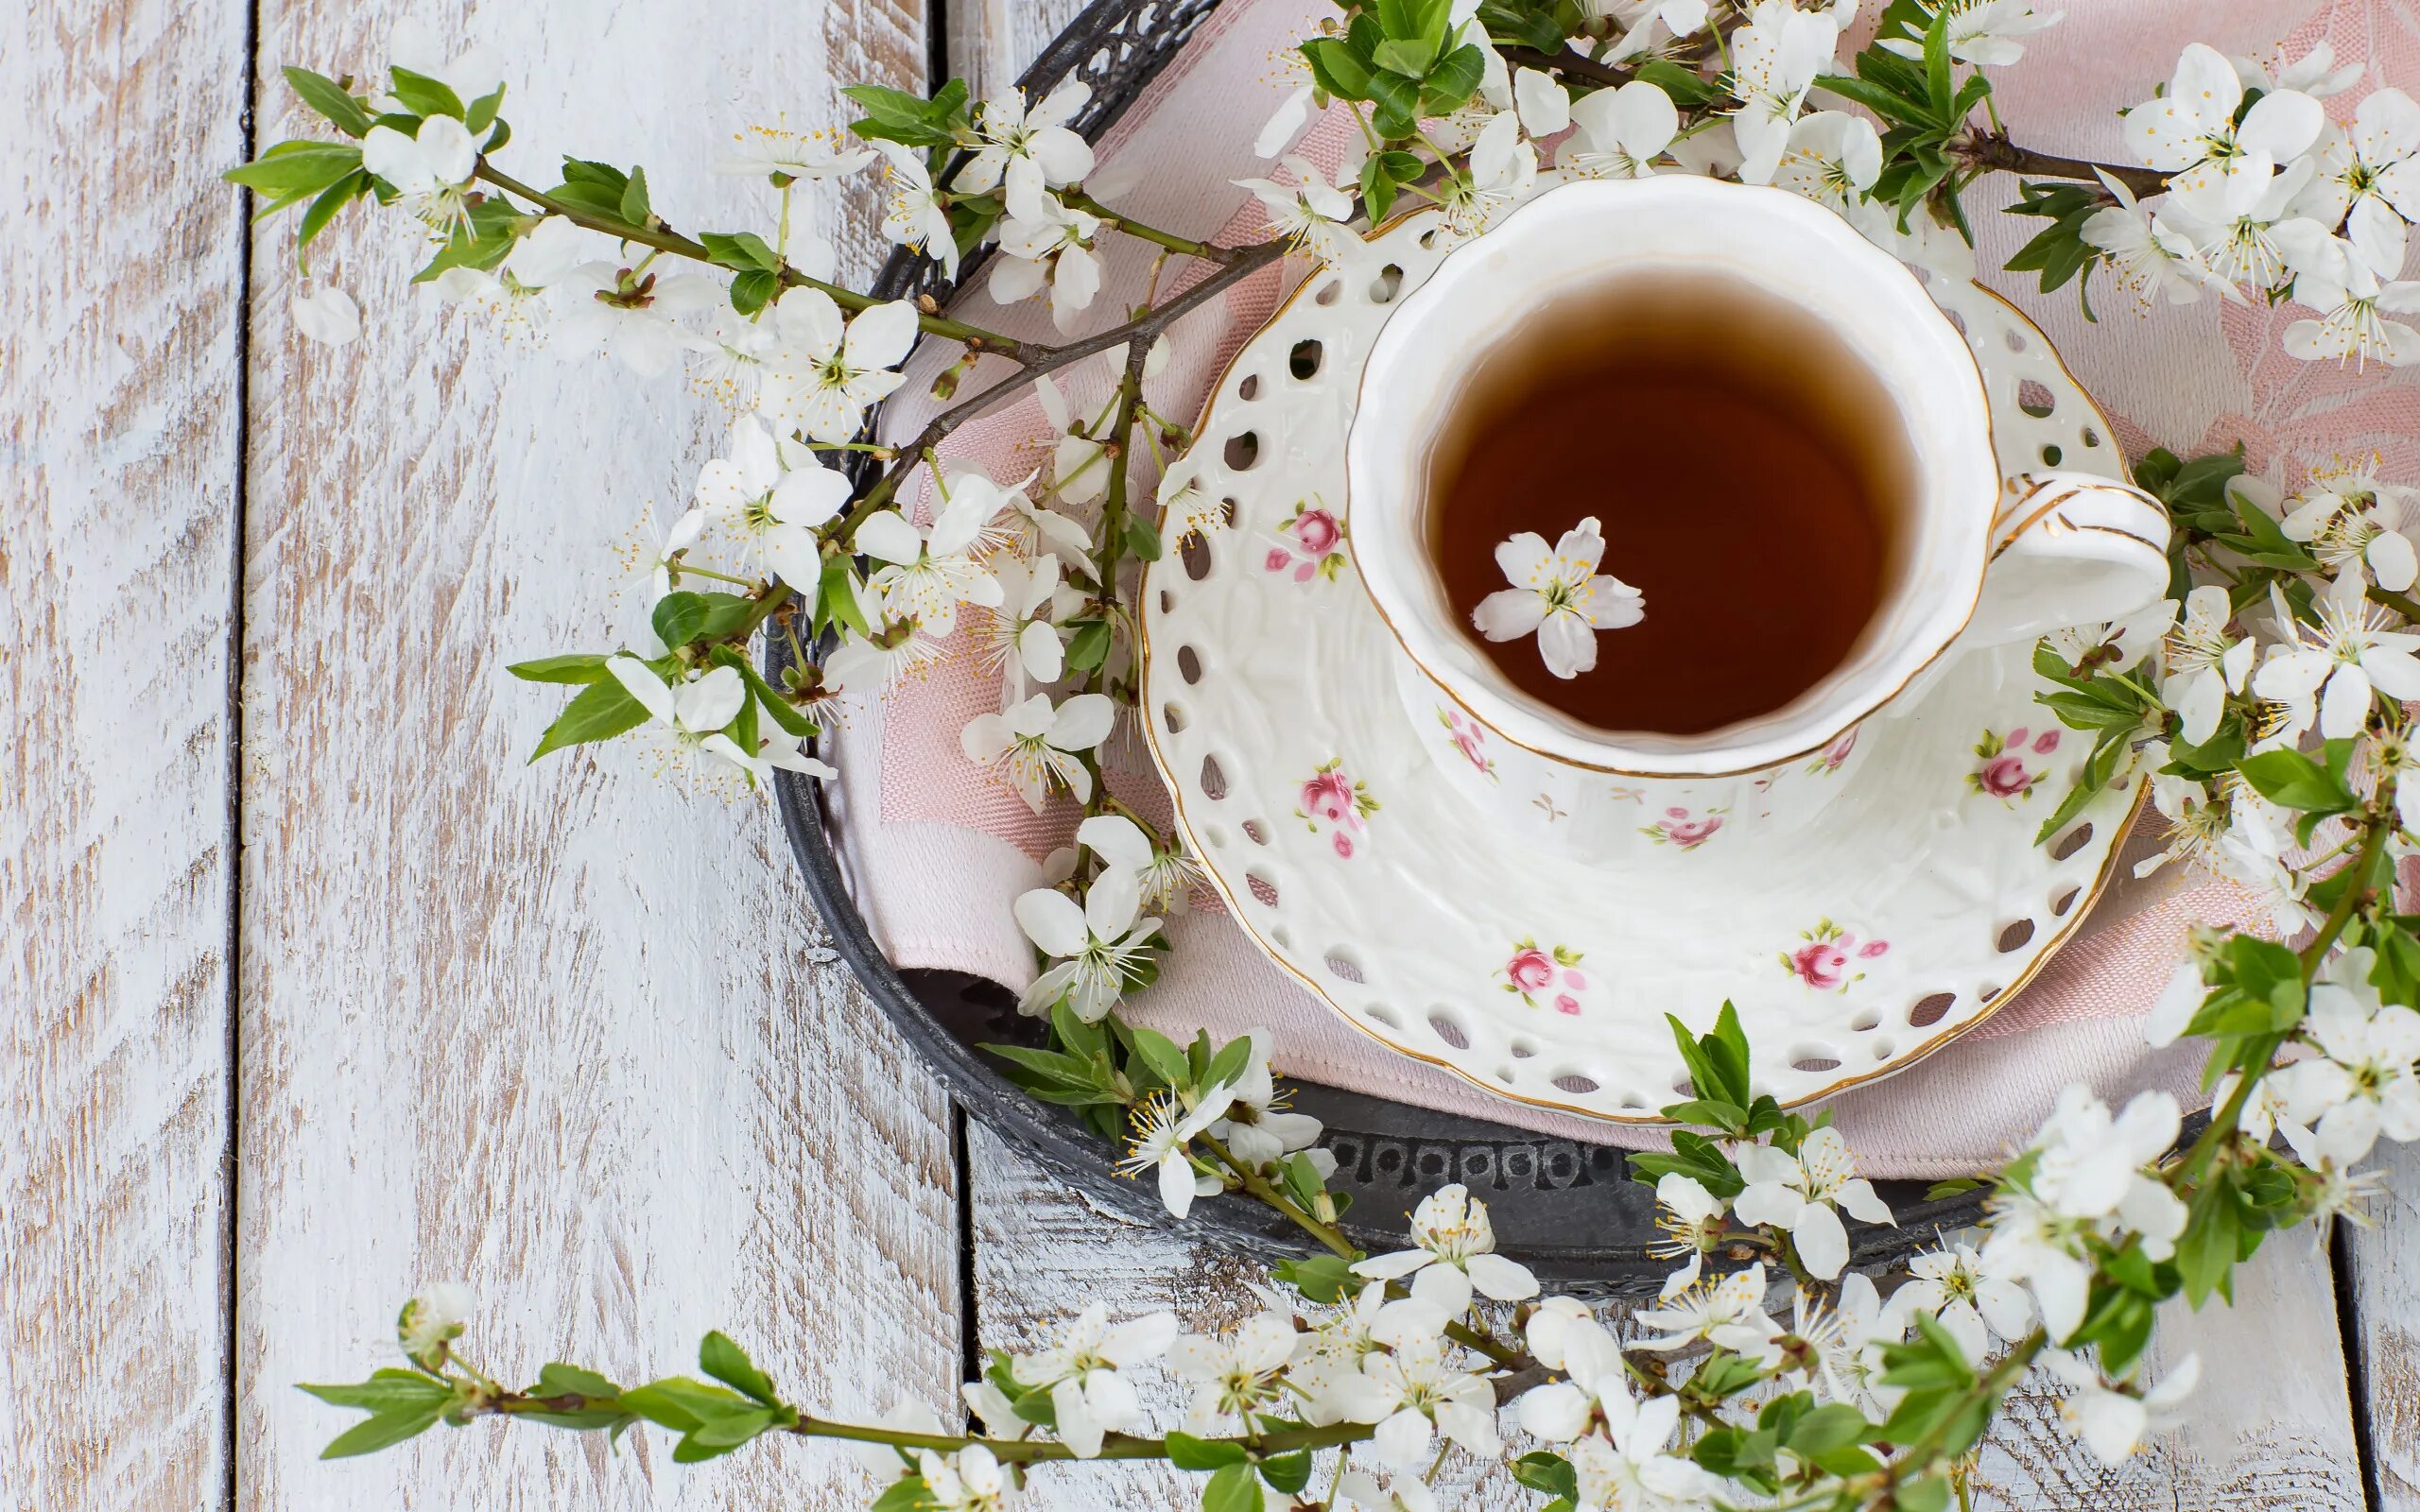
(682,1404)
(1162,1055)
(603,710)
(680,617)
(1450,84)
(740,250)
(1232,1488)
(719,1357)
(385,1391)
(1288,1473)
(1186,1452)
(482,113)
(1409,56)
(1142,539)
(1397,105)
(585,667)
(382,1431)
(330,99)
(1229,1062)
(1937,71)
(1334,69)
(2294,780)
(423,95)
(755,289)
(2098,769)
(1687,89)
(1089,647)
(784,712)
(1544,1470)
(323,210)
(718,1436)
(635,208)
(296,170)
(483,239)
(895,115)
(560,1380)
(1825,1429)
(1323,1278)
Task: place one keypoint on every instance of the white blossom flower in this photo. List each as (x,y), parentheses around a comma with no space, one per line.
(1166,873)
(1360,1491)
(1629,1467)
(777,749)
(1620,132)
(1797,1191)
(2204,664)
(969,1480)
(1648,25)
(1164,1129)
(1693,1314)
(1097,949)
(2148,257)
(776,152)
(2190,132)
(473,74)
(1027,529)
(1234,1374)
(1050,250)
(2267,1113)
(1079,456)
(1694,1218)
(2114,1423)
(2256,246)
(824,371)
(595,308)
(2362,1083)
(2197,822)
(1034,744)
(912,213)
(894,652)
(327,316)
(1021,636)
(1503,161)
(2350,520)
(759,481)
(1187,508)
(434,1318)
(1427,1395)
(1292,72)
(1087,1395)
(889,1462)
(2088,1174)
(2116,645)
(2315,73)
(1559,595)
(2370,174)
(1453,1253)
(1981,32)
(2353,302)
(1833,159)
(927,573)
(1591,1362)
(428,170)
(2334,667)
(515,295)
(1309,213)
(1953,1286)
(1027,151)
(1834,1347)
(695,710)
(1258,1127)
(1776,59)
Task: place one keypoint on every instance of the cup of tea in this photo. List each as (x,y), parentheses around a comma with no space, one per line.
(1786,450)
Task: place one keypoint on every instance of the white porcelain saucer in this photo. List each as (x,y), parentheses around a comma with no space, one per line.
(1910,909)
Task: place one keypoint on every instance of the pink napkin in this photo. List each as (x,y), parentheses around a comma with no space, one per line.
(936,851)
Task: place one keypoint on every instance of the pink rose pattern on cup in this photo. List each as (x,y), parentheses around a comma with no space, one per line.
(1470,739)
(1834,754)
(1828,958)
(1333,799)
(2003,771)
(1309,545)
(1544,977)
(1681,828)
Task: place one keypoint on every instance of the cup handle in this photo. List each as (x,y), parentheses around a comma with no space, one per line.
(2071,548)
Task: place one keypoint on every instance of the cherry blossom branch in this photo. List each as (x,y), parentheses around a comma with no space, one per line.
(1993,150)
(1080,200)
(663,240)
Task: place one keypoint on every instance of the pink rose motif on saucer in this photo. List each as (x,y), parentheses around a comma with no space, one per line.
(1680,827)
(1310,544)
(1834,754)
(1468,738)
(1331,797)
(1827,960)
(2003,773)
(1545,977)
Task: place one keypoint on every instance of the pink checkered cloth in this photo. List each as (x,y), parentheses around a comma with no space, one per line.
(936,852)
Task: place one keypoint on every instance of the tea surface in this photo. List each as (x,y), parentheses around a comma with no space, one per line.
(1746,466)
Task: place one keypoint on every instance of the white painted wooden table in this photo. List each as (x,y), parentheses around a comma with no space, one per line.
(313,991)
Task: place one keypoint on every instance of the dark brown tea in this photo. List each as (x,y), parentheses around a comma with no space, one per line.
(1746,468)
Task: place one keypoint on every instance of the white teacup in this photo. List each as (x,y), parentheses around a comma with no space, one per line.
(1981,559)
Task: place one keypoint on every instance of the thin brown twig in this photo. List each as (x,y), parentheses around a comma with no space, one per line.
(1994,150)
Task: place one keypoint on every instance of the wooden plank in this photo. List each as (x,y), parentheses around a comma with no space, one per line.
(2384,1263)
(555,1030)
(991,40)
(119,367)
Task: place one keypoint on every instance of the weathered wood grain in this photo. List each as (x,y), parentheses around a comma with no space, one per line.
(2384,1262)
(119,375)
(555,1029)
(991,40)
